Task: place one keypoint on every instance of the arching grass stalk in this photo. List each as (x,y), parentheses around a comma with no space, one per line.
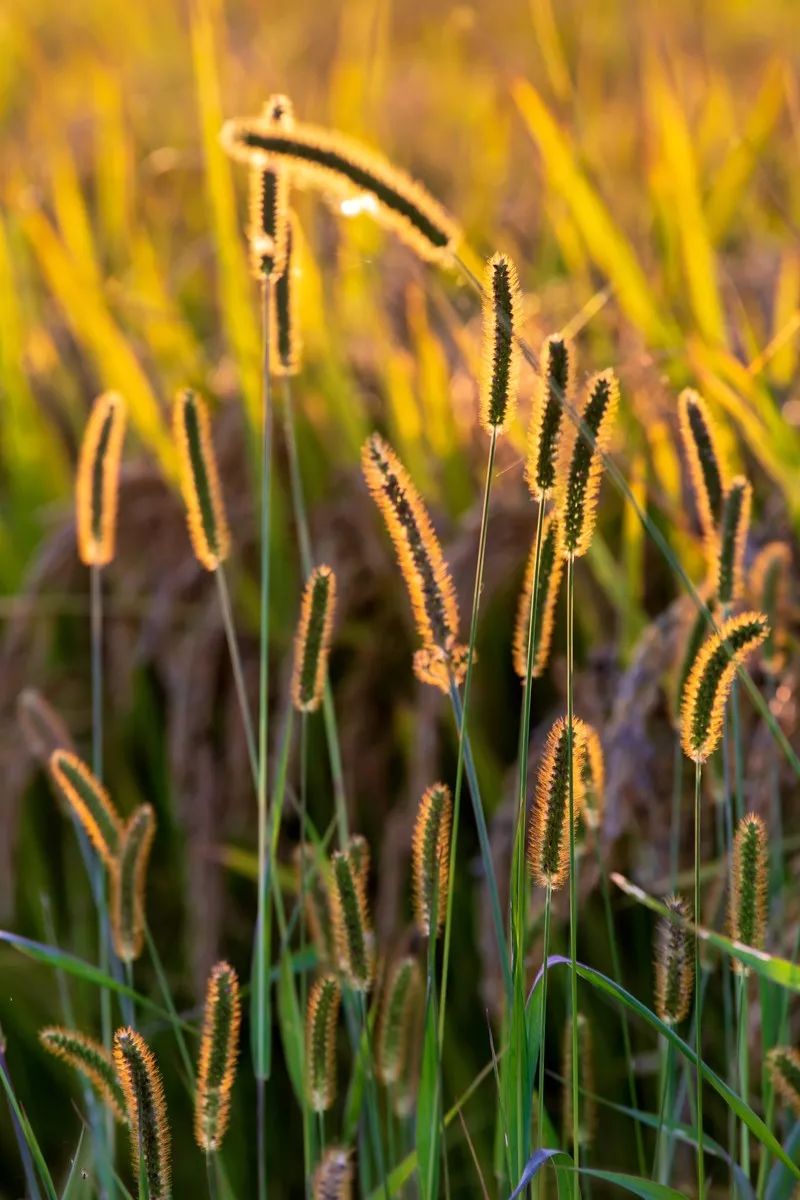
(573,914)
(698,1032)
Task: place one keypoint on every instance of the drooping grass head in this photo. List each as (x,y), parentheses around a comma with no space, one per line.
(92,1060)
(128,879)
(313,638)
(97,483)
(90,802)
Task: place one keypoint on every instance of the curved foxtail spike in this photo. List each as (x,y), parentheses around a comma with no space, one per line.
(430,857)
(399,1015)
(551,569)
(588,1112)
(693,632)
(97,482)
(594,780)
(674,963)
(147,1114)
(269,203)
(321,1017)
(548,838)
(748,896)
(92,1060)
(286,345)
(347,171)
(313,639)
(313,882)
(357,850)
(783,1066)
(580,468)
(128,883)
(709,683)
(333,1178)
(702,454)
(553,385)
(42,728)
(726,549)
(422,563)
(90,802)
(219,1046)
(208,525)
(501,356)
(769,588)
(354,938)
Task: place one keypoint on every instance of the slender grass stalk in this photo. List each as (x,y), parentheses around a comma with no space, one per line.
(236,664)
(698,1033)
(372,1096)
(744,1066)
(667,1096)
(169,1004)
(211,1174)
(573,901)
(548,903)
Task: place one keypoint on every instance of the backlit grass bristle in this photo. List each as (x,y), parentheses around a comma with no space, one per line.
(286,346)
(585,1082)
(783,1066)
(321,1017)
(551,568)
(691,637)
(357,849)
(313,639)
(147,1114)
(354,938)
(422,563)
(97,482)
(769,588)
(430,857)
(748,895)
(703,458)
(208,525)
(317,902)
(92,1060)
(548,836)
(674,963)
(594,779)
(399,1015)
(501,356)
(219,1046)
(42,727)
(580,468)
(728,545)
(269,203)
(709,682)
(333,1178)
(90,802)
(553,385)
(128,880)
(349,172)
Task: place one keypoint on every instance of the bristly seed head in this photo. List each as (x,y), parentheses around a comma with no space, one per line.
(705,464)
(90,802)
(580,467)
(269,203)
(92,1060)
(208,525)
(769,587)
(313,639)
(501,356)
(128,878)
(147,1115)
(709,683)
(354,939)
(551,568)
(321,1017)
(748,896)
(219,1046)
(430,857)
(399,1017)
(674,963)
(286,344)
(333,1178)
(726,548)
(97,482)
(553,386)
(548,838)
(594,780)
(783,1065)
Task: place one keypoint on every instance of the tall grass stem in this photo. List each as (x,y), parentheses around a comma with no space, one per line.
(698,1033)
(573,899)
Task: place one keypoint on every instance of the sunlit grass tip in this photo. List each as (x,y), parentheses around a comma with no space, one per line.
(548,835)
(727,547)
(430,857)
(147,1114)
(97,481)
(554,384)
(208,525)
(422,563)
(313,639)
(219,1045)
(580,467)
(551,569)
(333,1178)
(593,779)
(92,1060)
(588,1112)
(354,938)
(286,343)
(674,963)
(90,802)
(128,880)
(748,894)
(321,1017)
(269,203)
(703,458)
(709,682)
(357,850)
(502,316)
(399,1015)
(769,587)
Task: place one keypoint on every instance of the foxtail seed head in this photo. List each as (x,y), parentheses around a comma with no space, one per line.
(97,482)
(551,567)
(42,727)
(90,803)
(314,875)
(705,464)
(501,321)
(594,780)
(674,963)
(357,850)
(553,386)
(269,203)
(581,464)
(347,171)
(691,637)
(709,683)
(91,1059)
(548,839)
(726,548)
(588,1113)
(422,563)
(769,587)
(286,345)
(128,882)
(219,1047)
(147,1114)
(399,1014)
(783,1065)
(321,1016)
(354,939)
(313,639)
(208,525)
(430,856)
(748,898)
(333,1178)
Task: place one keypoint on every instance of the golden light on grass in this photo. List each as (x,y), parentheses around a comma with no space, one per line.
(705,463)
(92,1060)
(97,482)
(674,963)
(548,835)
(430,857)
(580,467)
(728,546)
(312,641)
(354,938)
(286,344)
(208,525)
(551,570)
(219,1045)
(553,385)
(747,913)
(769,590)
(90,802)
(269,203)
(128,879)
(501,354)
(321,1016)
(147,1112)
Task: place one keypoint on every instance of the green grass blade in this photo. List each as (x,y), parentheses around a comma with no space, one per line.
(428,1107)
(28,1144)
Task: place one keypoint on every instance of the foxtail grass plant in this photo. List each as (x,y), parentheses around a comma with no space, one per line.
(706,468)
(674,978)
(92,1060)
(147,1113)
(321,1018)
(747,922)
(128,879)
(219,1048)
(333,1178)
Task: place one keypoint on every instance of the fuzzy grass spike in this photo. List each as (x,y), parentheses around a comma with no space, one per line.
(97,482)
(219,1045)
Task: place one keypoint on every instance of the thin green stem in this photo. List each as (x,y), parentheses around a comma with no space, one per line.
(372,1097)
(211,1175)
(698,1035)
(573,901)
(668,1059)
(236,664)
(744,1066)
(548,904)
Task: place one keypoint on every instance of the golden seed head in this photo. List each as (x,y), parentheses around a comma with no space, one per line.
(501,357)
(783,1065)
(674,963)
(333,1178)
(551,568)
(594,780)
(702,454)
(313,639)
(208,525)
(400,1013)
(748,895)
(219,1046)
(97,482)
(726,547)
(90,802)
(354,938)
(321,1017)
(147,1114)
(430,856)
(269,202)
(128,878)
(548,839)
(554,385)
(92,1060)
(286,345)
(580,468)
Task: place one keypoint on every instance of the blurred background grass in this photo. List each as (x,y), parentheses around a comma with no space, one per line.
(640,164)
